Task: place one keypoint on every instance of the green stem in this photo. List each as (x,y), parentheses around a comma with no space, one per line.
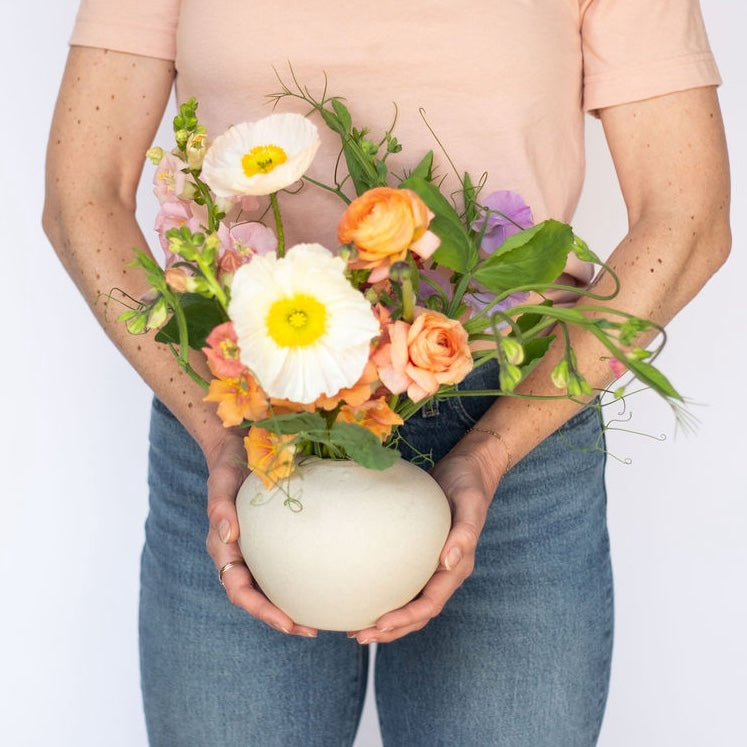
(278,224)
(209,204)
(459,291)
(336,190)
(408,300)
(182,357)
(212,280)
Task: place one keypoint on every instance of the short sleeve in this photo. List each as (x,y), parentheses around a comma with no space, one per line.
(144,27)
(638,49)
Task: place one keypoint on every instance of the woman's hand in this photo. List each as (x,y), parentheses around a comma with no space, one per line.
(227,470)
(469,475)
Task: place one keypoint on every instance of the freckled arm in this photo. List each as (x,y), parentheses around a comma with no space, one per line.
(109,107)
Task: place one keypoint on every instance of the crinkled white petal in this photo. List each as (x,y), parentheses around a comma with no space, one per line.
(334,361)
(223,172)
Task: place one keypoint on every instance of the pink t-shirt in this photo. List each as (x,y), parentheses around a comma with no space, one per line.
(503,85)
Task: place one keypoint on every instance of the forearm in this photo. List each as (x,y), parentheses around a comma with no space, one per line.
(676,184)
(94,240)
(108,110)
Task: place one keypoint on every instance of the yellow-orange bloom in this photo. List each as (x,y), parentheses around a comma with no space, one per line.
(238,399)
(269,455)
(374,415)
(355,395)
(383,223)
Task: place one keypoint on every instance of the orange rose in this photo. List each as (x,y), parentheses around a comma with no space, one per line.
(421,356)
(269,455)
(383,224)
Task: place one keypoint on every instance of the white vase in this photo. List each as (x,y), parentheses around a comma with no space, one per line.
(338,545)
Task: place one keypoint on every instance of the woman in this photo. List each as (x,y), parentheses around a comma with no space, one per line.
(516,653)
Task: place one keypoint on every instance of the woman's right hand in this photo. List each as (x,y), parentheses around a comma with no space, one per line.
(227,469)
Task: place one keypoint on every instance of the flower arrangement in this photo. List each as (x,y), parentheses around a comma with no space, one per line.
(326,353)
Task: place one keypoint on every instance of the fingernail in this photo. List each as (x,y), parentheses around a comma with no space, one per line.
(365,641)
(384,628)
(224,530)
(281,629)
(453,558)
(310,635)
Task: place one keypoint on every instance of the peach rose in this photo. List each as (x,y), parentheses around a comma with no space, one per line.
(420,357)
(383,223)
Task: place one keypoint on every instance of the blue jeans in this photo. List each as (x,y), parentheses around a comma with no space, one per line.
(520,655)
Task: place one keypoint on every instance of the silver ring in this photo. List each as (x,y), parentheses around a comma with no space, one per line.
(226,567)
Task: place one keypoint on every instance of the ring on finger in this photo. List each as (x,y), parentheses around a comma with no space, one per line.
(226,567)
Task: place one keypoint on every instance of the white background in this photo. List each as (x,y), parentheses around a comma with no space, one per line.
(73,451)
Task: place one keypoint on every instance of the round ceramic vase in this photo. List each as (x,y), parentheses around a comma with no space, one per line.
(338,545)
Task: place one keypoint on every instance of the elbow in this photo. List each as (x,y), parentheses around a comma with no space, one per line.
(52,218)
(714,244)
(52,225)
(722,248)
(49,222)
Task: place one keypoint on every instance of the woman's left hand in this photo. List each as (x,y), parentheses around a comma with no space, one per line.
(469,481)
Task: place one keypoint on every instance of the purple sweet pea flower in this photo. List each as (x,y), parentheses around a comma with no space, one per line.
(506,213)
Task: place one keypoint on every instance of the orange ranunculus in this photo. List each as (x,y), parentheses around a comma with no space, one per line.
(269,455)
(238,399)
(383,223)
(420,357)
(374,415)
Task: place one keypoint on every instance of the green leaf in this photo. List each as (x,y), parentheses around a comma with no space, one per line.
(651,376)
(456,251)
(534,351)
(202,315)
(362,446)
(295,422)
(424,170)
(333,122)
(527,321)
(470,204)
(533,257)
(346,121)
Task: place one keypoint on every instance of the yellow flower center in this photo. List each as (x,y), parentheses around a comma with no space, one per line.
(262,159)
(229,349)
(297,321)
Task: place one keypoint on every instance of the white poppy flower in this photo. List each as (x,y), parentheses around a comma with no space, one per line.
(259,158)
(302,329)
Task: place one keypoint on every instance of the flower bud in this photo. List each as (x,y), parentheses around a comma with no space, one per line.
(176,279)
(158,314)
(181,136)
(512,349)
(155,155)
(560,374)
(348,253)
(508,377)
(578,386)
(400,272)
(179,246)
(137,324)
(195,150)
